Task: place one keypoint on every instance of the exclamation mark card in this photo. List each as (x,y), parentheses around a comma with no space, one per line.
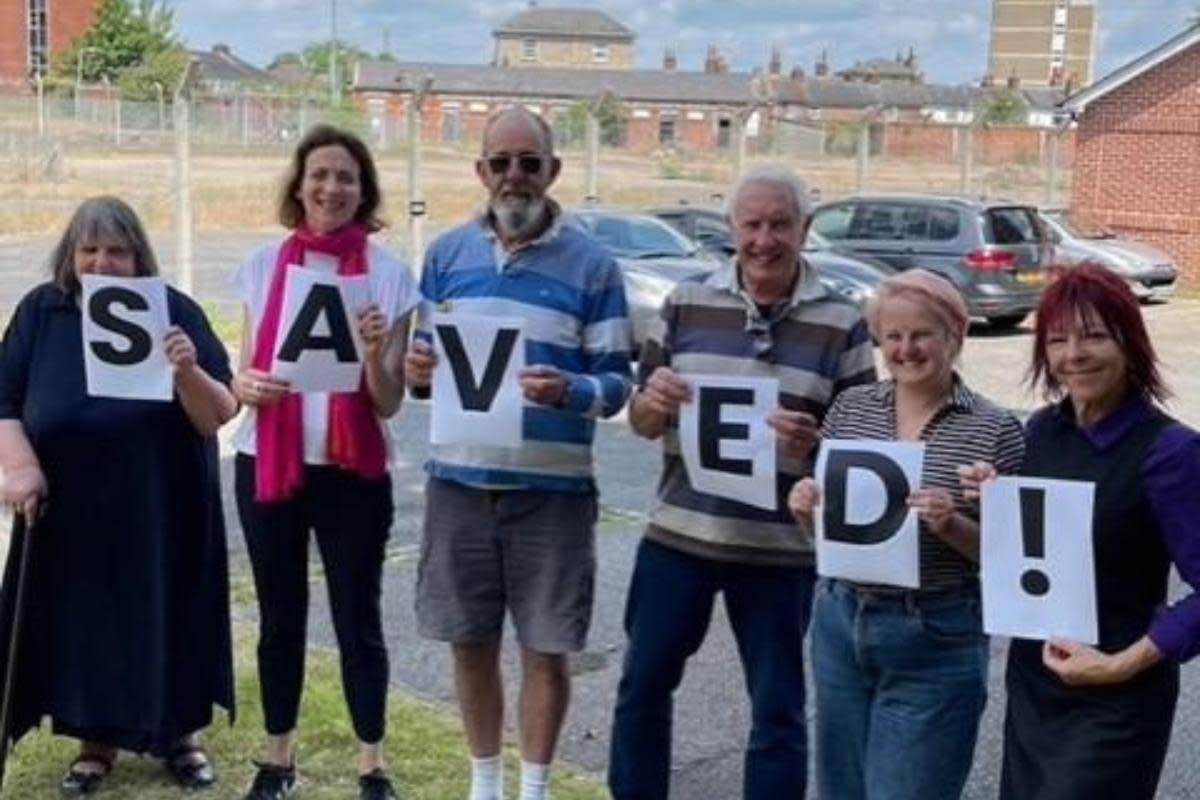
(1036,559)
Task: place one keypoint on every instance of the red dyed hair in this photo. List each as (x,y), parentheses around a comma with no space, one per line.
(1096,289)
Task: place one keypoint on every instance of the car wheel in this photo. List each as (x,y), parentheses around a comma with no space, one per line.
(1006,322)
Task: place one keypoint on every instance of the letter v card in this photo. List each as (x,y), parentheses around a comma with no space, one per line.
(477,398)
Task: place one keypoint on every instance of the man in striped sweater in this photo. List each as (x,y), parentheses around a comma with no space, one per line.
(766,315)
(512,529)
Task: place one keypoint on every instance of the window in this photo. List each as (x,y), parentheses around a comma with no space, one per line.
(1010,226)
(600,53)
(529,50)
(666,129)
(39,41)
(834,222)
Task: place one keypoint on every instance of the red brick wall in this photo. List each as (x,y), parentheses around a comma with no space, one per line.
(12,42)
(1138,164)
(993,146)
(68,20)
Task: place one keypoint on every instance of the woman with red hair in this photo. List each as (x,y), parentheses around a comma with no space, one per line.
(1083,721)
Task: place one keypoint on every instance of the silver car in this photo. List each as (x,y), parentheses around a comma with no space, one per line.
(652,255)
(1149,271)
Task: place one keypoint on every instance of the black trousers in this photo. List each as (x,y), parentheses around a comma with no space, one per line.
(351,518)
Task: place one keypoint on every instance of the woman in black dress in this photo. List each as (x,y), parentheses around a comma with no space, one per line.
(127,642)
(1084,722)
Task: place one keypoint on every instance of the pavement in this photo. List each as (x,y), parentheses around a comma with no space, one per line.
(711,715)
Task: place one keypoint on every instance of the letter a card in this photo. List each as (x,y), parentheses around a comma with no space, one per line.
(864,528)
(477,396)
(124,323)
(1036,559)
(318,347)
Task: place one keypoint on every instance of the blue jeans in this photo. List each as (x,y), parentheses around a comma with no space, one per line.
(667,616)
(901,681)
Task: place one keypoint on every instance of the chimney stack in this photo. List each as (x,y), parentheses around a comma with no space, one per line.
(822,68)
(775,67)
(1014,81)
(670,62)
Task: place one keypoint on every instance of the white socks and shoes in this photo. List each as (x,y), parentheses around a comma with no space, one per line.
(487,779)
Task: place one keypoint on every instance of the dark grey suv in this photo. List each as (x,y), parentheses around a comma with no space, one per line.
(996,253)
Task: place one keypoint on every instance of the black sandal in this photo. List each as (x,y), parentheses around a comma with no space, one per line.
(190,767)
(78,782)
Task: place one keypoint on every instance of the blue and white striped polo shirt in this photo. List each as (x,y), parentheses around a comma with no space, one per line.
(571,296)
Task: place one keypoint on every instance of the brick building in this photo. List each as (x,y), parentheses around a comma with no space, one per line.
(1137,162)
(32,32)
(570,38)
(664,108)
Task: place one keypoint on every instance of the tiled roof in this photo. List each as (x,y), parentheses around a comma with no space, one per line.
(220,64)
(627,85)
(580,22)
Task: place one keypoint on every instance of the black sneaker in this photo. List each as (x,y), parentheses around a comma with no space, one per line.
(272,782)
(375,786)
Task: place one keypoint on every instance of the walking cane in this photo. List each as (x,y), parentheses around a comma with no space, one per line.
(21,537)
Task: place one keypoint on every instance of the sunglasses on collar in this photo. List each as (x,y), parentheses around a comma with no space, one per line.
(529,164)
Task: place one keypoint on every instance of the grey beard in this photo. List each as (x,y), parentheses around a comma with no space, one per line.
(518,221)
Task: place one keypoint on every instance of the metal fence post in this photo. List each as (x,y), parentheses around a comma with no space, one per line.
(183,193)
(416,198)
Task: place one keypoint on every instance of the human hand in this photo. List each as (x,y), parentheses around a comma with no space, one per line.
(180,349)
(419,363)
(971,478)
(664,392)
(934,507)
(796,431)
(254,387)
(1082,665)
(23,489)
(803,499)
(373,330)
(544,385)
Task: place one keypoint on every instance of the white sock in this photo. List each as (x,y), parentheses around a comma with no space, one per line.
(535,781)
(487,778)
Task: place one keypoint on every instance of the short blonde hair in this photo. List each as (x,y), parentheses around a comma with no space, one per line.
(931,291)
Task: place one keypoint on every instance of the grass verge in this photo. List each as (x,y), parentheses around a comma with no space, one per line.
(424,749)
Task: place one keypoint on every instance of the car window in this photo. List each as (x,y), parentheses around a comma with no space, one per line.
(833,222)
(943,224)
(708,230)
(877,221)
(1010,226)
(651,236)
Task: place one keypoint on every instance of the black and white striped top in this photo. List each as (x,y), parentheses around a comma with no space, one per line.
(967,428)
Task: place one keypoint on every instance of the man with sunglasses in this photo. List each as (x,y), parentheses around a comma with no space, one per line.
(512,529)
(764,315)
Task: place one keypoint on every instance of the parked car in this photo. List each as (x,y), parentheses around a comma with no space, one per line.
(1149,271)
(841,272)
(995,252)
(652,255)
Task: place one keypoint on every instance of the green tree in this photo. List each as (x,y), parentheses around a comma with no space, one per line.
(315,58)
(130,44)
(1006,108)
(571,127)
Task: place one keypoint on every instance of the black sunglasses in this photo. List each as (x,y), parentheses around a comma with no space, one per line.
(530,165)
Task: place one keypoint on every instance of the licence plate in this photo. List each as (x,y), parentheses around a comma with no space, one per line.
(1031,278)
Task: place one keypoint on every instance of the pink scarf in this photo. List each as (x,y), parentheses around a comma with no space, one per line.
(355,441)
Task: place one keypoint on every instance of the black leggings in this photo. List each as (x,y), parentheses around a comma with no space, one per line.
(351,518)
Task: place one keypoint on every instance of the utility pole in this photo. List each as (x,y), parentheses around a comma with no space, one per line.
(335,91)
(592,193)
(416,198)
(183,182)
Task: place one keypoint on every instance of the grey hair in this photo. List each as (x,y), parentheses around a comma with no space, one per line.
(772,175)
(535,120)
(100,219)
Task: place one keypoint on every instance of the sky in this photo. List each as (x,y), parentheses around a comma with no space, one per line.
(950,37)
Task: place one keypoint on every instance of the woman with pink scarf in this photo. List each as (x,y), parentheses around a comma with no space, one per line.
(318,462)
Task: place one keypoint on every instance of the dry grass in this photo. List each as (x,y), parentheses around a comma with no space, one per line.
(236,190)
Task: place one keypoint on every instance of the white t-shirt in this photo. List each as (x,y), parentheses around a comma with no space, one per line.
(392,288)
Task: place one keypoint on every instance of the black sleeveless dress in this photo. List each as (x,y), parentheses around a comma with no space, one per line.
(1082,742)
